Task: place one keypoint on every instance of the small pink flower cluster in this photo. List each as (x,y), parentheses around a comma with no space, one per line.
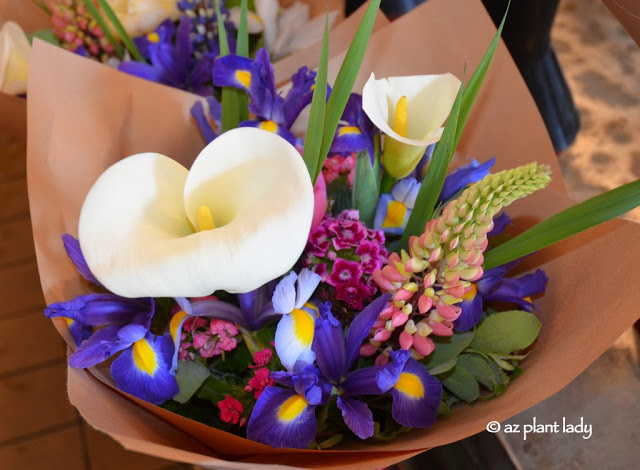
(75,27)
(231,410)
(206,337)
(346,253)
(337,165)
(262,378)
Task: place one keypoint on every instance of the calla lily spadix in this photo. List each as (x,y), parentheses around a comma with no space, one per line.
(410,111)
(240,218)
(14,59)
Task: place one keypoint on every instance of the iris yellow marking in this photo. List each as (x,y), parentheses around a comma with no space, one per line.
(528,299)
(396,212)
(205,219)
(69,321)
(174,324)
(348,130)
(268,126)
(303,326)
(291,408)
(410,385)
(243,77)
(471,293)
(144,357)
(399,125)
(153,37)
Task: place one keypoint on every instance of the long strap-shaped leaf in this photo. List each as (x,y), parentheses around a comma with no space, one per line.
(93,11)
(124,36)
(315,126)
(242,49)
(441,159)
(472,89)
(230,107)
(345,80)
(564,224)
(434,179)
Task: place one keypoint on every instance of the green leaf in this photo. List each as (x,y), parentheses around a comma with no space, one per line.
(124,36)
(45,35)
(190,376)
(313,140)
(506,332)
(472,89)
(462,384)
(214,389)
(365,189)
(339,194)
(93,11)
(242,49)
(564,224)
(345,80)
(444,356)
(229,99)
(480,369)
(434,179)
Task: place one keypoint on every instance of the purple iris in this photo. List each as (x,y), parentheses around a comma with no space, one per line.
(494,287)
(172,61)
(203,122)
(274,112)
(463,176)
(286,417)
(356,131)
(142,369)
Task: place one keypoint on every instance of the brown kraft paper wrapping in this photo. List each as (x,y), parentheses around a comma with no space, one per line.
(84,117)
(628,14)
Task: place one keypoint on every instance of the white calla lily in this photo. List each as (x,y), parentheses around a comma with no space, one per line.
(410,111)
(14,59)
(139,17)
(238,219)
(254,22)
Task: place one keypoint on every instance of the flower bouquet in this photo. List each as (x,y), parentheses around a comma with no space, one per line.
(240,313)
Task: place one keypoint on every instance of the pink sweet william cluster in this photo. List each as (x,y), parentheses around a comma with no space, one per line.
(262,375)
(346,253)
(206,338)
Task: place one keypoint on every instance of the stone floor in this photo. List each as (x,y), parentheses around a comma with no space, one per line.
(39,429)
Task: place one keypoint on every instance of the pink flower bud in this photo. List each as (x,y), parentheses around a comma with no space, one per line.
(406,340)
(367,350)
(423,345)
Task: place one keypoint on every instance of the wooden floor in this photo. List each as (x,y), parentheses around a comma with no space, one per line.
(39,429)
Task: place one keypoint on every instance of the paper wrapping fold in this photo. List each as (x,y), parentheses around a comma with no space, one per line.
(628,14)
(84,116)
(25,13)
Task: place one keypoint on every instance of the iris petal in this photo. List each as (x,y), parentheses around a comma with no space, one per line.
(470,315)
(357,416)
(143,370)
(282,418)
(284,297)
(464,175)
(360,326)
(329,345)
(100,309)
(306,286)
(103,344)
(416,396)
(72,247)
(294,336)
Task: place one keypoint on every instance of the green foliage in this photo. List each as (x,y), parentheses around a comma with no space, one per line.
(113,19)
(93,11)
(230,96)
(506,332)
(313,139)
(44,35)
(447,350)
(190,376)
(461,383)
(365,188)
(564,224)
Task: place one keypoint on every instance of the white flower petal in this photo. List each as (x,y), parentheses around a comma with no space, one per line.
(138,241)
(307,283)
(284,296)
(139,17)
(14,59)
(429,102)
(268,11)
(254,23)
(294,337)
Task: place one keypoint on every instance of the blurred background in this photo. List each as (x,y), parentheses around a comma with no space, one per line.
(584,72)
